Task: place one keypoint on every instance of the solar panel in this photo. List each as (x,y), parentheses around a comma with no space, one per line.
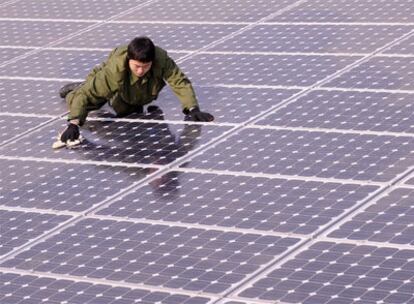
(18,228)
(117,141)
(25,289)
(308,38)
(391,73)
(365,111)
(179,36)
(282,205)
(330,272)
(31,97)
(299,191)
(175,257)
(61,186)
(293,70)
(319,154)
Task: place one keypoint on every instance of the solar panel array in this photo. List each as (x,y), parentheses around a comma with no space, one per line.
(301,190)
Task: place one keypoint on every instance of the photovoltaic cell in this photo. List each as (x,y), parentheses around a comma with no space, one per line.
(213,11)
(56,64)
(36,33)
(70,9)
(347,110)
(59,186)
(339,273)
(175,257)
(312,38)
(168,36)
(11,126)
(298,70)
(379,73)
(389,219)
(349,11)
(31,97)
(243,202)
(320,154)
(128,142)
(25,289)
(18,228)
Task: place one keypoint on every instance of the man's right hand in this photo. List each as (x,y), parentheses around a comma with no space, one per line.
(70,133)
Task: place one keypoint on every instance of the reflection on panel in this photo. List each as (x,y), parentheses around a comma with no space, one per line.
(129,142)
(59,186)
(18,228)
(176,257)
(339,273)
(321,154)
(347,110)
(209,69)
(19,288)
(389,219)
(243,202)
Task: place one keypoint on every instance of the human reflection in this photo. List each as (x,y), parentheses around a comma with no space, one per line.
(147,143)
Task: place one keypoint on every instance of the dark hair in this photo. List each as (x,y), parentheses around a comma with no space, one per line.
(141,49)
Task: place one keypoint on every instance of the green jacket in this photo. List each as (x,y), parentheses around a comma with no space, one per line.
(114,77)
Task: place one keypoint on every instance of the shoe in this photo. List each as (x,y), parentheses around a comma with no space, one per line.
(66,89)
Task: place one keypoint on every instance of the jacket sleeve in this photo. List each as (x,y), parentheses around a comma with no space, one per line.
(180,85)
(101,85)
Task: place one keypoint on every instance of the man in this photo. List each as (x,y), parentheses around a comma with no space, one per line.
(131,77)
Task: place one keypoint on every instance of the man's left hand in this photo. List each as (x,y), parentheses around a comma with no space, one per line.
(197,115)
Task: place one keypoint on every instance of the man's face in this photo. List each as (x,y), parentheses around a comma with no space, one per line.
(139,68)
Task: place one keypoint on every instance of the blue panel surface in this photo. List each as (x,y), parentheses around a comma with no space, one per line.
(211,11)
(117,141)
(7,54)
(389,219)
(312,38)
(210,69)
(31,97)
(242,202)
(11,126)
(379,73)
(339,273)
(360,157)
(69,9)
(175,257)
(350,11)
(26,289)
(59,186)
(36,33)
(56,64)
(233,105)
(404,47)
(347,110)
(18,228)
(168,36)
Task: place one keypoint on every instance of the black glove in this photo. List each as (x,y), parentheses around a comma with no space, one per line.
(197,115)
(71,133)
